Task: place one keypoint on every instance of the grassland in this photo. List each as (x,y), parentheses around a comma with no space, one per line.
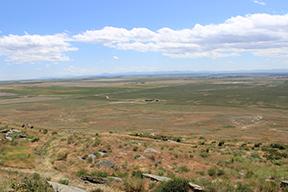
(222,133)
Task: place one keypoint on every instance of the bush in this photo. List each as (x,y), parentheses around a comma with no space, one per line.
(45,131)
(33,139)
(215,172)
(97,190)
(61,156)
(204,154)
(211,172)
(243,188)
(64,181)
(33,183)
(137,174)
(221,143)
(176,185)
(99,174)
(268,186)
(220,172)
(277,146)
(182,169)
(134,184)
(81,172)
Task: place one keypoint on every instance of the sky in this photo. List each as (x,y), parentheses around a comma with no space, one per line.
(64,38)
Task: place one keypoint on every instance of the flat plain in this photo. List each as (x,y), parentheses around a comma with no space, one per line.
(193,127)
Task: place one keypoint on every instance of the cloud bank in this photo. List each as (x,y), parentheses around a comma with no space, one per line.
(258,34)
(35,48)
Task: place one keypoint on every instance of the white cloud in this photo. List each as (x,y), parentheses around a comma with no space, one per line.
(260,2)
(115,58)
(35,48)
(259,34)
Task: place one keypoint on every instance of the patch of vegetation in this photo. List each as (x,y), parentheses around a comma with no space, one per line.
(175,185)
(138,174)
(99,174)
(64,181)
(82,172)
(33,183)
(61,155)
(242,187)
(33,138)
(182,169)
(204,154)
(212,172)
(134,184)
(158,137)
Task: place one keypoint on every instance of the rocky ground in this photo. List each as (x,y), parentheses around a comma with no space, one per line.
(138,161)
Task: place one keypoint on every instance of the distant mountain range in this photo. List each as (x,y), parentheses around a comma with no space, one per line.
(242,73)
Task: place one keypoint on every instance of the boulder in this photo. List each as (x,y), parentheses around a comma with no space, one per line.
(4,130)
(150,150)
(156,177)
(95,180)
(14,133)
(64,188)
(193,187)
(106,163)
(284,184)
(116,179)
(93,157)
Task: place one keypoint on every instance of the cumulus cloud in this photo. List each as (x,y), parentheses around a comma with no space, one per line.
(259,34)
(260,2)
(35,48)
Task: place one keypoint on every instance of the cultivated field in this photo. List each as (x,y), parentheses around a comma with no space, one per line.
(225,133)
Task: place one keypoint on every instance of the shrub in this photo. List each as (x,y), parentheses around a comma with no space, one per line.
(33,139)
(99,174)
(268,186)
(204,154)
(277,146)
(220,172)
(221,143)
(81,172)
(45,131)
(134,184)
(178,139)
(274,154)
(176,185)
(137,156)
(64,181)
(137,174)
(215,172)
(54,133)
(161,171)
(182,169)
(61,156)
(96,142)
(211,172)
(97,190)
(243,188)
(257,145)
(33,183)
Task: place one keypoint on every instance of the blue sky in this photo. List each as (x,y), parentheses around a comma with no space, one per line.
(60,38)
